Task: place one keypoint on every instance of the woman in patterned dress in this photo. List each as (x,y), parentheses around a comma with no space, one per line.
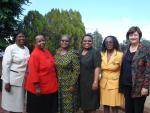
(67,65)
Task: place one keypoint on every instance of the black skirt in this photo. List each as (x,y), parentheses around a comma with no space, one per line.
(46,103)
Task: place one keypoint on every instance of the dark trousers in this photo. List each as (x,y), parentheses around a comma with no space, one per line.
(46,103)
(133,105)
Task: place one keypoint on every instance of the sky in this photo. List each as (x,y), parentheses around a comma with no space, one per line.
(109,17)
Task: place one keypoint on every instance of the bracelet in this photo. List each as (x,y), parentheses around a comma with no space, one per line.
(100,76)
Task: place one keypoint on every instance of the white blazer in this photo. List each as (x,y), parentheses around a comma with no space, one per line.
(14,64)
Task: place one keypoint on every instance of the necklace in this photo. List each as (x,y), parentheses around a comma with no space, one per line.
(63,52)
(84,52)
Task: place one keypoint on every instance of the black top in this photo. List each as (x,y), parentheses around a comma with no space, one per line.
(126,68)
(89,98)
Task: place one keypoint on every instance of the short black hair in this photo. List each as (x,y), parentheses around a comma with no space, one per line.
(40,34)
(66,35)
(18,32)
(132,30)
(89,35)
(115,43)
(15,34)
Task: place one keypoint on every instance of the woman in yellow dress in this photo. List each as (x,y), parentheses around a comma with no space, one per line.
(110,72)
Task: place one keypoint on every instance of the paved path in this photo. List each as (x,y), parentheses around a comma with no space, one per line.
(99,111)
(2,111)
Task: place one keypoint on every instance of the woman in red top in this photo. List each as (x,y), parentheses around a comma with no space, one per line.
(41,82)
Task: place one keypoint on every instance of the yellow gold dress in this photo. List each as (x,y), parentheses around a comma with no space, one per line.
(109,82)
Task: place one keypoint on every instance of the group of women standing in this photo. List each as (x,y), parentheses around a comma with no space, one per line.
(72,79)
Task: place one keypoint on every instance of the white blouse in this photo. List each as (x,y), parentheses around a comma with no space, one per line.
(14,64)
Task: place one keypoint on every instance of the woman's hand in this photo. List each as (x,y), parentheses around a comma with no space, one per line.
(144,92)
(95,86)
(97,74)
(37,89)
(8,87)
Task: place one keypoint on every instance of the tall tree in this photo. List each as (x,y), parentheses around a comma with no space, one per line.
(9,17)
(124,45)
(53,25)
(77,28)
(34,23)
(65,22)
(97,39)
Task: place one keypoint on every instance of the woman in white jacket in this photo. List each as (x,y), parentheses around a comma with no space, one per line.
(13,71)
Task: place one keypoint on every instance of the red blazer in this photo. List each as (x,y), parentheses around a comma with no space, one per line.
(41,69)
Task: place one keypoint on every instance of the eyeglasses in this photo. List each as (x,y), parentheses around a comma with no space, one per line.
(64,40)
(108,42)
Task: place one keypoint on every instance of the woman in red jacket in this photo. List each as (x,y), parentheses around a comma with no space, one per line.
(41,82)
